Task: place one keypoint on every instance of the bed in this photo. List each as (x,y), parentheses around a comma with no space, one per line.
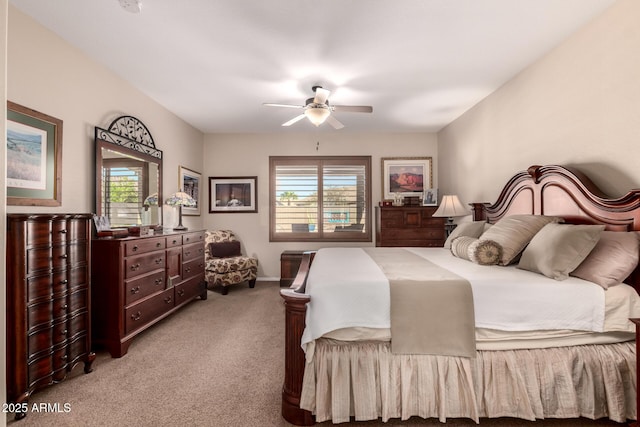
(339,367)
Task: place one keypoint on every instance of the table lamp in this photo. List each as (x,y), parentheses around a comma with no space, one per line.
(180,199)
(450,207)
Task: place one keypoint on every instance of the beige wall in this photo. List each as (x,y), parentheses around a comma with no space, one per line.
(47,74)
(579,105)
(248,155)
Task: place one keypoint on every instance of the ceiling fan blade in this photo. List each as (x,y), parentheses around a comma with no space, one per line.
(321,95)
(352,108)
(283,105)
(295,119)
(334,122)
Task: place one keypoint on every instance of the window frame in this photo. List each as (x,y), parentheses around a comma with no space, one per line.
(321,161)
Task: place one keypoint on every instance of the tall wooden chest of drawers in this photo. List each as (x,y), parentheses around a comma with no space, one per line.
(137,281)
(408,226)
(48,294)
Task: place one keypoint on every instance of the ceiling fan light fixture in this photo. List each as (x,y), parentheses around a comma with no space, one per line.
(317,115)
(133,6)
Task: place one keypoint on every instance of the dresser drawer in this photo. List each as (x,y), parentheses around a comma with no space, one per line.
(138,265)
(196,237)
(55,257)
(141,246)
(189,289)
(192,268)
(47,312)
(138,315)
(141,287)
(173,241)
(193,251)
(42,341)
(47,232)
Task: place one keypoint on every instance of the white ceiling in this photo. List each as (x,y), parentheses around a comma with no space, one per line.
(419,63)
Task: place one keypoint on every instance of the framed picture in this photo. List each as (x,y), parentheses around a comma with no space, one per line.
(189,182)
(430,197)
(233,194)
(34,157)
(405,176)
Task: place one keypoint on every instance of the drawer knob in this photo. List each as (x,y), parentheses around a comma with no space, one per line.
(159,281)
(134,267)
(64,231)
(135,290)
(63,256)
(188,269)
(136,316)
(64,307)
(159,260)
(168,300)
(64,333)
(175,241)
(181,292)
(64,357)
(158,244)
(64,282)
(187,253)
(135,248)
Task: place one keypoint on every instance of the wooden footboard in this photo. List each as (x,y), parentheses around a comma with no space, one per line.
(295,302)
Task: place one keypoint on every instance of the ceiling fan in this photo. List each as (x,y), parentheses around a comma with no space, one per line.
(318,110)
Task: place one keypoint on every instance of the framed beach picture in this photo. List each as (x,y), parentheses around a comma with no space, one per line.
(189,181)
(233,194)
(34,157)
(406,176)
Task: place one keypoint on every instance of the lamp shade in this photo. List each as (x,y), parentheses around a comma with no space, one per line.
(180,199)
(450,207)
(151,200)
(317,115)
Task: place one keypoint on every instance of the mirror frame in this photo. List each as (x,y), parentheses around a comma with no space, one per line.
(129,136)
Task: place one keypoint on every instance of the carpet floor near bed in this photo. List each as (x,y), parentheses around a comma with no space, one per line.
(217,362)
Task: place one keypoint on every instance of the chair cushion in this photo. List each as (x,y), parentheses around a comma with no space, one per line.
(226,265)
(224,249)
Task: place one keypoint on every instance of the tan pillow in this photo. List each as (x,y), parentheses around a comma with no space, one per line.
(460,246)
(558,249)
(514,232)
(612,260)
(470,229)
(485,252)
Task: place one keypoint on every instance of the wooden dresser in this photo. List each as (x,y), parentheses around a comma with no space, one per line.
(138,281)
(48,294)
(408,226)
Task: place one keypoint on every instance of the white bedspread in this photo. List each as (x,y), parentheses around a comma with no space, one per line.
(348,289)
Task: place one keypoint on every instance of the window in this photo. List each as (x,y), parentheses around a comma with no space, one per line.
(320,198)
(125,182)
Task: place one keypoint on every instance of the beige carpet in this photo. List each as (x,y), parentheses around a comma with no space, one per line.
(217,362)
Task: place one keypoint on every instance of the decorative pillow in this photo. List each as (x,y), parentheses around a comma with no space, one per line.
(485,252)
(460,246)
(470,229)
(558,249)
(514,232)
(612,260)
(225,249)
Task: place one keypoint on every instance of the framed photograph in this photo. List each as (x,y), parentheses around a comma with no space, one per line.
(406,176)
(34,157)
(430,197)
(189,182)
(233,194)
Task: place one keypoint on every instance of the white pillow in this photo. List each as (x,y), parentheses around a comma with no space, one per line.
(469,229)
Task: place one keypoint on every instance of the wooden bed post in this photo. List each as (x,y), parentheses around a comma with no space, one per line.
(295,303)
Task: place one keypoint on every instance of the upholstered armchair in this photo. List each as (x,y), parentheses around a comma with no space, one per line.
(224,263)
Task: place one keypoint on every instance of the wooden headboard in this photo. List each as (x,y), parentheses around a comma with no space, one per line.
(568,193)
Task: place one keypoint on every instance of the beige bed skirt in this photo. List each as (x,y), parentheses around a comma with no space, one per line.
(366,381)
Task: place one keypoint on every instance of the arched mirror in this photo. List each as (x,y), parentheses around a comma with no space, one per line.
(128,174)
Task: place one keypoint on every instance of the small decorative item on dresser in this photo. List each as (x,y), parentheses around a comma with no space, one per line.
(386,203)
(411,201)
